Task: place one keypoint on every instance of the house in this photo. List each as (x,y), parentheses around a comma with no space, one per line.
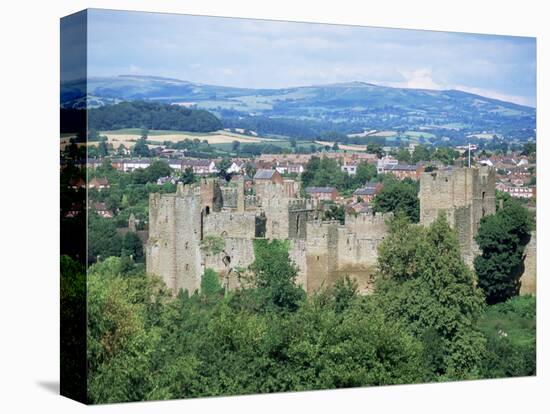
(99,183)
(289,168)
(350,168)
(199,167)
(520,192)
(368,192)
(235,167)
(165,180)
(93,163)
(174,163)
(386,162)
(135,163)
(356,208)
(264,176)
(322,193)
(485,161)
(402,171)
(102,210)
(117,164)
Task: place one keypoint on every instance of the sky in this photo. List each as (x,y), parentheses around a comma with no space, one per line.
(269,54)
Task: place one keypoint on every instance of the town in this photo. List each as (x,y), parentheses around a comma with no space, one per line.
(515,171)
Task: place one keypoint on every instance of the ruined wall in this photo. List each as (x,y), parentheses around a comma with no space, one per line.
(275,206)
(358,243)
(465,195)
(297,253)
(321,254)
(173,248)
(528,279)
(229,223)
(229,197)
(210,194)
(251,202)
(239,251)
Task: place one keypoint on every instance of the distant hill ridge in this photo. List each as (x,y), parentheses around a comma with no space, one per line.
(346,107)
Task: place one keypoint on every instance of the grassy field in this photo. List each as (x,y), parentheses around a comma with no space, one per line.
(347,147)
(128,137)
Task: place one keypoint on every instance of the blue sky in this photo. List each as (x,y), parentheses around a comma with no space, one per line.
(266,54)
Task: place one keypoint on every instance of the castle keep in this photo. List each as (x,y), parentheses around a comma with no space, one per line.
(465,195)
(180,223)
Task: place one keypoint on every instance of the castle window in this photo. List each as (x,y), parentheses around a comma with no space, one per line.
(186,266)
(186,245)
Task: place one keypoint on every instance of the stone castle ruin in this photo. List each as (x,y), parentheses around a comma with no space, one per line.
(180,223)
(465,195)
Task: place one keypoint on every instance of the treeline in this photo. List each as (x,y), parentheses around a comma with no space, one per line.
(426,321)
(150,115)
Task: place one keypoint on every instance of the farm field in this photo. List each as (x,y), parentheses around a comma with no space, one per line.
(128,137)
(347,147)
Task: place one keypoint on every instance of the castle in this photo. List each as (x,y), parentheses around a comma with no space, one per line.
(180,223)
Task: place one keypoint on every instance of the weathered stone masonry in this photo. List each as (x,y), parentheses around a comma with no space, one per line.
(322,250)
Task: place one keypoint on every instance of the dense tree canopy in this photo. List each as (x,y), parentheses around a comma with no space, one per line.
(502,238)
(399,196)
(425,283)
(322,172)
(425,321)
(150,115)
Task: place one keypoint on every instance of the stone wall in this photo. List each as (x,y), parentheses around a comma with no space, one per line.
(324,251)
(173,249)
(464,195)
(230,223)
(529,278)
(237,254)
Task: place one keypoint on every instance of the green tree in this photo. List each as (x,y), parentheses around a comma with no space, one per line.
(103,239)
(119,342)
(420,153)
(140,148)
(156,170)
(424,283)
(399,196)
(404,156)
(223,166)
(275,275)
(132,246)
(188,176)
(210,283)
(365,172)
(374,148)
(502,238)
(510,329)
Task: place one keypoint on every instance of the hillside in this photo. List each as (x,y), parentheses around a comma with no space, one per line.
(345,107)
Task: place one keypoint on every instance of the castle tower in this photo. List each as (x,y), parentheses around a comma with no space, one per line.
(465,195)
(210,195)
(173,248)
